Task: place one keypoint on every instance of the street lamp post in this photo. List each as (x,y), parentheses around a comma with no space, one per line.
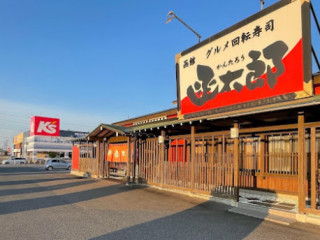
(262,4)
(171,15)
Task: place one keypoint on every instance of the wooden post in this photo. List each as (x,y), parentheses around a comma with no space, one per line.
(134,159)
(107,167)
(140,162)
(313,168)
(162,146)
(301,159)
(193,155)
(128,159)
(98,156)
(87,150)
(261,155)
(80,161)
(236,164)
(220,163)
(103,159)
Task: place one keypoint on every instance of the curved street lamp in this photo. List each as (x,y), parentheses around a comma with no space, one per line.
(262,4)
(171,15)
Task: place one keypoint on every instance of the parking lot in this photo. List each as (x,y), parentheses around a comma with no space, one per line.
(37,204)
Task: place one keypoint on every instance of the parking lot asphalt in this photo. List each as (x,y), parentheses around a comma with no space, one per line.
(37,204)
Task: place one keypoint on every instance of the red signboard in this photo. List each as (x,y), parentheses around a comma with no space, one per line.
(261,60)
(75,157)
(45,126)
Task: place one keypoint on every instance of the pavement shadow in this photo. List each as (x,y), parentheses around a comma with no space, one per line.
(7,192)
(4,169)
(40,172)
(60,200)
(23,173)
(31,181)
(209,220)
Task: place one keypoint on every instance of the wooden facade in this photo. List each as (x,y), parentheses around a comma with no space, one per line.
(188,156)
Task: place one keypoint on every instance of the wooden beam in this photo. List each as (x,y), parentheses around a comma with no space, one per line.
(146,118)
(118,139)
(102,133)
(301,159)
(312,124)
(109,134)
(92,139)
(257,110)
(249,130)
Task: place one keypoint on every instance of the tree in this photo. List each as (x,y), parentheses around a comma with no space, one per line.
(52,154)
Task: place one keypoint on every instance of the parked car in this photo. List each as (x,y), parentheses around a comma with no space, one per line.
(15,160)
(57,164)
(39,161)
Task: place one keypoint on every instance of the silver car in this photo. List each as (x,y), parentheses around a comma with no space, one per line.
(57,164)
(14,160)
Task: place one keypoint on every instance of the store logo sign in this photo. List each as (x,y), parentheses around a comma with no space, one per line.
(45,126)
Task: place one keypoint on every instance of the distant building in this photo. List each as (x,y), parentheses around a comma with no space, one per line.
(38,147)
(43,138)
(18,142)
(3,152)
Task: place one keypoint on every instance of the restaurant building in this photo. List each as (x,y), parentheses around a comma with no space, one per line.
(247,121)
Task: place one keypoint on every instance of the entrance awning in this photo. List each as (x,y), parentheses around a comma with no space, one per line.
(107,131)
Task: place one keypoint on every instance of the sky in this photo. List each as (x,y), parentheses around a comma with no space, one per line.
(99,61)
